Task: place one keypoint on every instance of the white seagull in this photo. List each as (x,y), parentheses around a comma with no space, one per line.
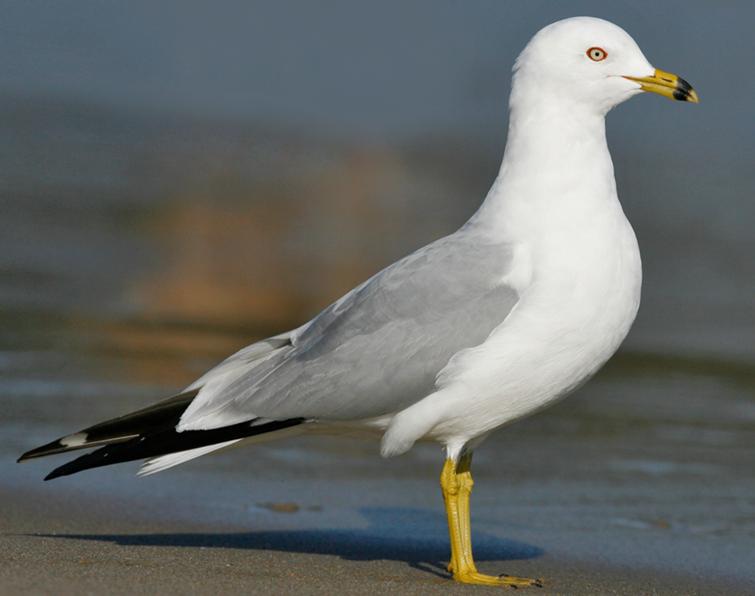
(505,316)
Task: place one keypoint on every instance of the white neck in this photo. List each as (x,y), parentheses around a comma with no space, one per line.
(556,160)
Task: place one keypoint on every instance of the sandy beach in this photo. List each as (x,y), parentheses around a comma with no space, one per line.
(51,546)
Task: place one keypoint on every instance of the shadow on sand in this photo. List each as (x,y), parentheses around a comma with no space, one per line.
(417,537)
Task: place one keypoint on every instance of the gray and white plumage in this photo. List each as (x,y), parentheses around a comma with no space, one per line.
(478,329)
(375,351)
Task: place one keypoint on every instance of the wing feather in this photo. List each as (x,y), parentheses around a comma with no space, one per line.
(378,349)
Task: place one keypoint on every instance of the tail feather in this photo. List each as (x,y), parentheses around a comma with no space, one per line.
(117,430)
(163,462)
(166,441)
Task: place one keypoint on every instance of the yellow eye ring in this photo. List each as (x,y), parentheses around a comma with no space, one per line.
(596,54)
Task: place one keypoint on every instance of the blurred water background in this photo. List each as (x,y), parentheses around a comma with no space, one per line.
(179,179)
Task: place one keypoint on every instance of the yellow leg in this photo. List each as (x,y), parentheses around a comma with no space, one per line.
(456,483)
(464,475)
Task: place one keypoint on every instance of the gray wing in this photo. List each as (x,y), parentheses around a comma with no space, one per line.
(379,348)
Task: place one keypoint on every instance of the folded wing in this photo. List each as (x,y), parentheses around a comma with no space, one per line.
(379,348)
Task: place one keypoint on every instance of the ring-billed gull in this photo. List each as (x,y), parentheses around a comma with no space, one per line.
(503,317)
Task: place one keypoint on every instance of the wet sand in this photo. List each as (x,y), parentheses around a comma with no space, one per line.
(53,546)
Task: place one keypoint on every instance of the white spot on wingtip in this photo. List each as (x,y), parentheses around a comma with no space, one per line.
(74,440)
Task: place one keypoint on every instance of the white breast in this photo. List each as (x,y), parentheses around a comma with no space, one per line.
(581,298)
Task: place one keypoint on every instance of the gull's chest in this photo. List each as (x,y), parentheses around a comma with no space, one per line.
(577,300)
(585,282)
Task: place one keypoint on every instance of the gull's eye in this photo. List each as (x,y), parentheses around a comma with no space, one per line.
(597,54)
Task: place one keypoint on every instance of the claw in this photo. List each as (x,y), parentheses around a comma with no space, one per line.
(475,577)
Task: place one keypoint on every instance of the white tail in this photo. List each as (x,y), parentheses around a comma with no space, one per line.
(158,464)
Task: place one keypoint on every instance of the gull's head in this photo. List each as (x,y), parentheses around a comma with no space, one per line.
(590,62)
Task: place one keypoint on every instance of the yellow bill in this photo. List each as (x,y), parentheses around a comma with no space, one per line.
(667,84)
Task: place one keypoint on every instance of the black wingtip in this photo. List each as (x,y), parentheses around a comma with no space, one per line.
(83,462)
(48,449)
(64,470)
(52,475)
(165,441)
(165,413)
